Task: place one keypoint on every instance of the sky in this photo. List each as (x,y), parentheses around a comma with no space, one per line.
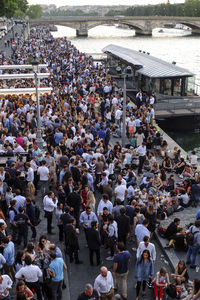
(100,2)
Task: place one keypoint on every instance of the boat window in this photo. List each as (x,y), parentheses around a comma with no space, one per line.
(167,87)
(191,88)
(177,86)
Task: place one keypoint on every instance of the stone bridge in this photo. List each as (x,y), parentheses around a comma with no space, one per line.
(142,25)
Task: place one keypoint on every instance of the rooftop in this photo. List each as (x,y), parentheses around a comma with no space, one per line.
(146,64)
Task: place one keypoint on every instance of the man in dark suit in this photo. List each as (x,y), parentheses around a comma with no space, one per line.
(123,223)
(72,241)
(74,201)
(94,242)
(76,175)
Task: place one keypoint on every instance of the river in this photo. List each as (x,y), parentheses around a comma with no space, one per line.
(183,50)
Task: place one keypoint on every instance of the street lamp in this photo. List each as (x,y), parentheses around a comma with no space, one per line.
(40,140)
(126,72)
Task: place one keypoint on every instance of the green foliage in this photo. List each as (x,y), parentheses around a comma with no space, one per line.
(76,12)
(191,8)
(34,11)
(10,8)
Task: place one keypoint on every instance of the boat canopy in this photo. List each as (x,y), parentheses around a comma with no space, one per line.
(146,64)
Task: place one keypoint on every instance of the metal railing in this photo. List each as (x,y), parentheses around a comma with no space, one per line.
(172,105)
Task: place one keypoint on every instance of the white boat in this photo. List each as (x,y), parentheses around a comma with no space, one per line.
(170,32)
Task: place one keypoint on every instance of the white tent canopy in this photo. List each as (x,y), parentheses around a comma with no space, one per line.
(24,91)
(21,67)
(22,76)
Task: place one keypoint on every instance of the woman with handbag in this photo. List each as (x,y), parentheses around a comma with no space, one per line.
(144,272)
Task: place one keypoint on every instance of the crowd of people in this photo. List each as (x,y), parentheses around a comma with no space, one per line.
(82,175)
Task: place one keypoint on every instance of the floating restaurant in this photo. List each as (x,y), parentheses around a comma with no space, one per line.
(151,73)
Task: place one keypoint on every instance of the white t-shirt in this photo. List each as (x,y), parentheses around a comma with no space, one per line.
(44,173)
(120,192)
(193,159)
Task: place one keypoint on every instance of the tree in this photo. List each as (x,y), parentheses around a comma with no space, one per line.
(34,11)
(22,5)
(10,8)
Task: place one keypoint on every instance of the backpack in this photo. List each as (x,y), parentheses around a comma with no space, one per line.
(161,231)
(171,291)
(190,237)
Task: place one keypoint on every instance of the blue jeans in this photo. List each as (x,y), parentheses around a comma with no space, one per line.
(192,252)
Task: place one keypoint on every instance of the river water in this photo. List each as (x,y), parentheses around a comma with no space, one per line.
(183,50)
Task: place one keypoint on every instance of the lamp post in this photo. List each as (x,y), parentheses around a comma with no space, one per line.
(40,140)
(127,72)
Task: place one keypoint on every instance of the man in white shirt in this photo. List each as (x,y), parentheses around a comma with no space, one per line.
(21,201)
(193,159)
(104,284)
(120,191)
(31,274)
(5,286)
(141,231)
(118,115)
(141,150)
(30,173)
(43,173)
(146,245)
(104,202)
(50,203)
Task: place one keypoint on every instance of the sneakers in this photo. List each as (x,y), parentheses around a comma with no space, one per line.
(109,258)
(134,249)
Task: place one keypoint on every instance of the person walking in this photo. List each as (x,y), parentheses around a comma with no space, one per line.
(94,242)
(56,268)
(120,268)
(112,235)
(43,173)
(123,224)
(21,221)
(9,255)
(104,284)
(144,271)
(146,245)
(194,246)
(50,203)
(72,241)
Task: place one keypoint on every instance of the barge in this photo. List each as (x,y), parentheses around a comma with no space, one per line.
(177,106)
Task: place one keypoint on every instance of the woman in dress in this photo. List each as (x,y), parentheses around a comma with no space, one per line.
(131,127)
(23,292)
(180,275)
(144,272)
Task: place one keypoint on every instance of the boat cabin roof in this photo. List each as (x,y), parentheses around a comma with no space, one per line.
(146,64)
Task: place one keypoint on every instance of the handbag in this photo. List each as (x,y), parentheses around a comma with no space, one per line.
(111,241)
(171,291)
